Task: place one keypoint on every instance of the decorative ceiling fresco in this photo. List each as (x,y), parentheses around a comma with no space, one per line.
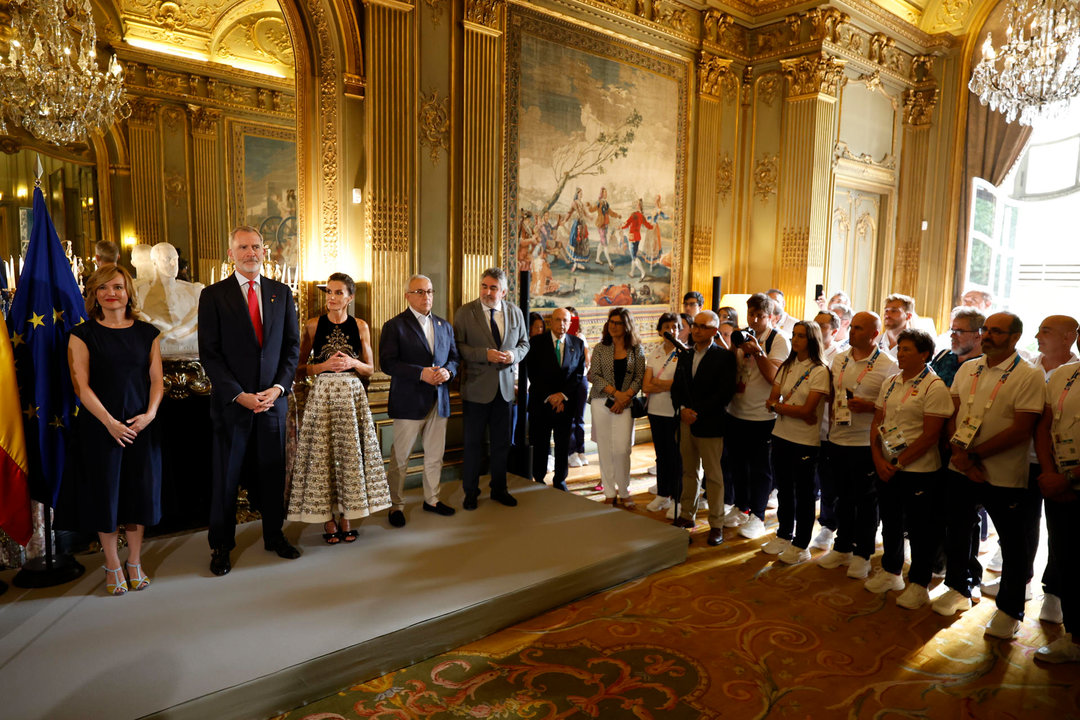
(246,34)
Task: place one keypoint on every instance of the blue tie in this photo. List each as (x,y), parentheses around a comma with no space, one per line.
(495,331)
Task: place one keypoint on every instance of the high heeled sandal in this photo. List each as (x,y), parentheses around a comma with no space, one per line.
(348,536)
(140,581)
(331,538)
(115,588)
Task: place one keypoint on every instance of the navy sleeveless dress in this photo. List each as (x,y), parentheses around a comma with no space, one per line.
(117,485)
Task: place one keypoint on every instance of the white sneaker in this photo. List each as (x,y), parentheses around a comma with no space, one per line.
(990,588)
(753,529)
(727,509)
(914,597)
(773,501)
(858,568)
(794,555)
(703,504)
(654,488)
(775,546)
(995,562)
(1062,650)
(670,514)
(824,539)
(736,518)
(951,603)
(659,503)
(551,464)
(1051,609)
(834,559)
(884,582)
(1002,625)
(583,458)
(573,460)
(652,470)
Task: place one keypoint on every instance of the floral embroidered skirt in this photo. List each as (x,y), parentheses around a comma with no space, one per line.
(338,465)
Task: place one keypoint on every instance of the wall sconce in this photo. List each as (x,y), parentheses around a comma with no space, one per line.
(21,192)
(130,241)
(357,196)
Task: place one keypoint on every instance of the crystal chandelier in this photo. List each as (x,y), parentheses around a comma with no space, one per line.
(50,82)
(1037,70)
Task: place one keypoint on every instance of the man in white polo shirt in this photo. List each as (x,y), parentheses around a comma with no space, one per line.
(750,423)
(857,376)
(998,399)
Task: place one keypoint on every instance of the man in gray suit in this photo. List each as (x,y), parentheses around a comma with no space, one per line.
(492,338)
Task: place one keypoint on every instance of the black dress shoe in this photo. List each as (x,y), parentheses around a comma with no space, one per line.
(504,497)
(716,536)
(439,508)
(396,518)
(219,562)
(470,502)
(283,549)
(683,523)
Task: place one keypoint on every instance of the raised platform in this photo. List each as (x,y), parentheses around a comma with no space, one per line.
(274,633)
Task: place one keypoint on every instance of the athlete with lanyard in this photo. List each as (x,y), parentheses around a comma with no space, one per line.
(912,409)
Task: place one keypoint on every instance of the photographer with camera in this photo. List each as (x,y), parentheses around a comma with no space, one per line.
(759,351)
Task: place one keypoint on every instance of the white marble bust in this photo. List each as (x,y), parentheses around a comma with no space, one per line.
(172,305)
(144,269)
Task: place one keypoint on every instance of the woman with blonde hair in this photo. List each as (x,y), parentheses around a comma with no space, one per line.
(115,362)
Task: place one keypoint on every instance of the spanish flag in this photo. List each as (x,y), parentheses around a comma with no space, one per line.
(14,465)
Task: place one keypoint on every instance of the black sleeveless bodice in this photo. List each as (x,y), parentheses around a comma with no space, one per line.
(331,339)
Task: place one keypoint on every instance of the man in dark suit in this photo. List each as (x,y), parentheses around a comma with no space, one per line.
(492,338)
(703,386)
(417,351)
(555,363)
(249,345)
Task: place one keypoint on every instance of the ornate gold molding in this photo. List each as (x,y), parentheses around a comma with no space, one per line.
(713,74)
(721,30)
(766,176)
(204,121)
(144,112)
(769,86)
(794,246)
(437,7)
(673,15)
(434,123)
(725,177)
(843,152)
(328,136)
(919,106)
(483,12)
(922,68)
(813,74)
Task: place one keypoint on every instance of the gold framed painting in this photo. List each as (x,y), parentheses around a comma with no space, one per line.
(263,180)
(595,167)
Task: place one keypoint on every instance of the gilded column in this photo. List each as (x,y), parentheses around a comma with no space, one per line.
(713,72)
(147,185)
(210,230)
(391,157)
(807,140)
(481,144)
(911,198)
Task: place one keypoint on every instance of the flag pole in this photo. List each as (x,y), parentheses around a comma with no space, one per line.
(50,569)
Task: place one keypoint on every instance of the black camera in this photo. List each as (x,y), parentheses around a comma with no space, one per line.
(738,337)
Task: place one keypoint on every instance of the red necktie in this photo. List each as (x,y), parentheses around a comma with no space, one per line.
(253,310)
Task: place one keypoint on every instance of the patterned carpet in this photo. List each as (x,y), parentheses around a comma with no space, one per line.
(729,634)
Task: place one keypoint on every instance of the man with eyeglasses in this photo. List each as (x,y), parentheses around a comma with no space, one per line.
(965,343)
(493,338)
(1056,337)
(417,351)
(998,398)
(703,385)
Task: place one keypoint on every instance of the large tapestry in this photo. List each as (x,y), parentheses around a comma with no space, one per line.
(596,157)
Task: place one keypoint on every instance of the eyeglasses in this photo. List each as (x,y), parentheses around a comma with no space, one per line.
(418,293)
(996,332)
(699,326)
(957,331)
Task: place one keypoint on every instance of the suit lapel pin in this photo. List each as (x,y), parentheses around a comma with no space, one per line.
(273,298)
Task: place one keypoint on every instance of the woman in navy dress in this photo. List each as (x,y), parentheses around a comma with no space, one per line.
(115,363)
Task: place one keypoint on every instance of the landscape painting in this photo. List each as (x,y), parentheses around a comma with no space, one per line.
(264,188)
(596,162)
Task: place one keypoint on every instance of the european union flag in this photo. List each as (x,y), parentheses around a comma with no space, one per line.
(47,305)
